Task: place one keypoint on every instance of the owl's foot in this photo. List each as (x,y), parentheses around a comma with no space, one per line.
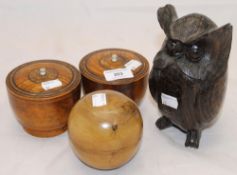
(193,138)
(163,123)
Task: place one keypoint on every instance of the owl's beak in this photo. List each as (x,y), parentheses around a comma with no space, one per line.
(162,60)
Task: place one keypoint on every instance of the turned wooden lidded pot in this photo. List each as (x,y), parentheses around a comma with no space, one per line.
(42,94)
(105,129)
(116,69)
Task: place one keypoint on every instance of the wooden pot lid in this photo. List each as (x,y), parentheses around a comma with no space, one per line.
(93,65)
(43,79)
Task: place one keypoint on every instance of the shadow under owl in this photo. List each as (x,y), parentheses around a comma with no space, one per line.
(188,77)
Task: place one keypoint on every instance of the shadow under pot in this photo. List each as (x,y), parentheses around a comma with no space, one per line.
(42,94)
(115,69)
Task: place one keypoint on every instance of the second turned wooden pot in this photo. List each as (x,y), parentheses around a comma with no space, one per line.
(94,65)
(42,94)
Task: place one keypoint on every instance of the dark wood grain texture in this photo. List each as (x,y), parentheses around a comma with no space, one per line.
(93,65)
(108,136)
(191,67)
(43,113)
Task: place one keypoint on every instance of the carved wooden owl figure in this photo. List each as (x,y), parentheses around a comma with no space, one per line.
(188,77)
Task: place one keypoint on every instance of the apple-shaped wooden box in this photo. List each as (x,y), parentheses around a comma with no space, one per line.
(42,94)
(105,129)
(116,69)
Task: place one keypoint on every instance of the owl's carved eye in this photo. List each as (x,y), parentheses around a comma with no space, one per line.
(174,48)
(194,53)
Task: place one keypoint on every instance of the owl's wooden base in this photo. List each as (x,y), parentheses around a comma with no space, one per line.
(193,136)
(49,133)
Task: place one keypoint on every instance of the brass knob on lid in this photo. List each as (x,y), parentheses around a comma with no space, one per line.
(114,57)
(42,71)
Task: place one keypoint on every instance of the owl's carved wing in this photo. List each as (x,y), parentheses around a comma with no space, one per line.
(153,84)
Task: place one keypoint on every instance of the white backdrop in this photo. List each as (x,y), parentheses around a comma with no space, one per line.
(68,30)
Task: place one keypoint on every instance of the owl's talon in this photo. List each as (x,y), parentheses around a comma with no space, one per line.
(193,138)
(163,123)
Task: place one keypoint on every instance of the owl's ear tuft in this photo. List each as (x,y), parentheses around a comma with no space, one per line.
(166,15)
(222,38)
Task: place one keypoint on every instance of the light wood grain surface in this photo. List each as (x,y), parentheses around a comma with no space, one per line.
(107,136)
